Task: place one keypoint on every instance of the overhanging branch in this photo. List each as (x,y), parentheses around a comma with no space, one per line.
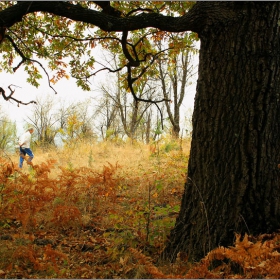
(24,59)
(108,20)
(10,96)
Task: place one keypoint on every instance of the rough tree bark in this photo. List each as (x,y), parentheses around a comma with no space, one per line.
(233,180)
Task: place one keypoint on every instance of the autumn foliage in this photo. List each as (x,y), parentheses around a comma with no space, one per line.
(108,217)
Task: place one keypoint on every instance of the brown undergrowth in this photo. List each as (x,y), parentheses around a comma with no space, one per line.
(72,217)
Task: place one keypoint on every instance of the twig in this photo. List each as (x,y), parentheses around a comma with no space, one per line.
(245,223)
(9,97)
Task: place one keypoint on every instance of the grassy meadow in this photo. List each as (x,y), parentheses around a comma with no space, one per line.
(105,210)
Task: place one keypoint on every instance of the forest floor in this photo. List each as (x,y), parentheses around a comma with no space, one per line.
(105,210)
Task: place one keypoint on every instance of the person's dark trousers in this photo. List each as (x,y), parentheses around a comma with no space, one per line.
(22,153)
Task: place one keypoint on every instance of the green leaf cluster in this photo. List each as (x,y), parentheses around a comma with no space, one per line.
(65,47)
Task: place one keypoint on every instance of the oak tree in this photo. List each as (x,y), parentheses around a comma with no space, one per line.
(233,179)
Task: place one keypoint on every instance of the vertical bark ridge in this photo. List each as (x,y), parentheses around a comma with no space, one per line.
(233,183)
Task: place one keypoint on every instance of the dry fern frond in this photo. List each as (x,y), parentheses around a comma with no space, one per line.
(54,256)
(66,216)
(148,266)
(26,255)
(253,259)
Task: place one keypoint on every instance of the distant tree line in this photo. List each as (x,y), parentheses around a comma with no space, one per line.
(116,115)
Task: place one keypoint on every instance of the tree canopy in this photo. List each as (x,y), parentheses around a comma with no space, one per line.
(62,36)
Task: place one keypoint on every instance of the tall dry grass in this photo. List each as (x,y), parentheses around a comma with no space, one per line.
(130,156)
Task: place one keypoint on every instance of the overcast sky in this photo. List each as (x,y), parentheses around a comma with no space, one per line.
(66,90)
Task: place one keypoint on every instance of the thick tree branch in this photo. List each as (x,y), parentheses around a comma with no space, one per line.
(202,14)
(132,62)
(107,8)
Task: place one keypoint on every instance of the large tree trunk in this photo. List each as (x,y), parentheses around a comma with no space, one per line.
(233,179)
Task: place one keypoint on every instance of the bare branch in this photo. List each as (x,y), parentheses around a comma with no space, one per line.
(130,85)
(102,69)
(10,97)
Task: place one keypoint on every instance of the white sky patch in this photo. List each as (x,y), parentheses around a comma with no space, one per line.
(67,91)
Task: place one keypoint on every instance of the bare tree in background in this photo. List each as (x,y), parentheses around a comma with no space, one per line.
(45,122)
(121,113)
(7,132)
(76,121)
(176,73)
